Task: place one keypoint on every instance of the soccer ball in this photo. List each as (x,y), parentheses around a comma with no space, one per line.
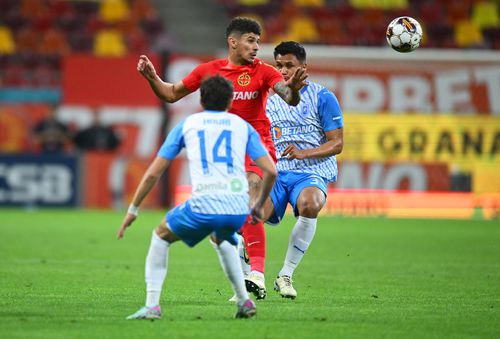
(404,34)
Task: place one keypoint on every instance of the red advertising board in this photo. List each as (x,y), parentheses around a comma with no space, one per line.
(88,80)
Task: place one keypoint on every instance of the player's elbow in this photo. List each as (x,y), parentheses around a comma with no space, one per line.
(170,98)
(273,173)
(151,177)
(269,171)
(338,147)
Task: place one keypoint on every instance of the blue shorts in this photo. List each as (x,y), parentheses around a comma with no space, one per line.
(287,189)
(193,227)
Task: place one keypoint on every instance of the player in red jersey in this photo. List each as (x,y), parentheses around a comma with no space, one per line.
(252,79)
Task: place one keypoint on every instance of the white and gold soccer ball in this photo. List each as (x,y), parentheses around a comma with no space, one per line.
(404,34)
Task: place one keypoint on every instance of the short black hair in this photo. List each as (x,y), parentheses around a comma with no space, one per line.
(291,47)
(216,93)
(243,25)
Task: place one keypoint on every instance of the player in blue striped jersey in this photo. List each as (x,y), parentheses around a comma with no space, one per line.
(216,143)
(307,138)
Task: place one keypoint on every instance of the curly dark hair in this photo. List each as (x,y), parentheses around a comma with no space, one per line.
(216,93)
(291,47)
(241,25)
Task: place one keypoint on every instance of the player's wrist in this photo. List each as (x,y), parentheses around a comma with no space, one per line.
(133,209)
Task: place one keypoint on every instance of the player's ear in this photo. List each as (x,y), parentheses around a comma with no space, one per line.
(232,42)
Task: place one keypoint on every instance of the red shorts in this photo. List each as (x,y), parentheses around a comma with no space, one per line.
(251,166)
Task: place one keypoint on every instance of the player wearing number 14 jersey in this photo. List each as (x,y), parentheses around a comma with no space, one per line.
(252,79)
(216,143)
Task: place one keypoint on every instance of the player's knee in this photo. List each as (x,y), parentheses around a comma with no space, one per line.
(310,208)
(162,231)
(309,211)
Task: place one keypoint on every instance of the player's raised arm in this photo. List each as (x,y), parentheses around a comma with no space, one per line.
(164,90)
(290,90)
(149,179)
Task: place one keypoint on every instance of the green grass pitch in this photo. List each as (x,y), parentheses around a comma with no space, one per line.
(64,275)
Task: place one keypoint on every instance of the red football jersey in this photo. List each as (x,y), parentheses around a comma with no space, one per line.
(251,87)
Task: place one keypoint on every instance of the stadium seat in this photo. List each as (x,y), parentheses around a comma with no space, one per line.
(109,42)
(468,34)
(113,10)
(309,3)
(43,22)
(253,2)
(485,14)
(302,28)
(27,40)
(142,9)
(458,11)
(431,12)
(32,8)
(54,43)
(7,44)
(380,4)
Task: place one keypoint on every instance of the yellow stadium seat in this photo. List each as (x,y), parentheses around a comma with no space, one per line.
(309,3)
(382,4)
(113,10)
(253,2)
(467,34)
(485,14)
(109,42)
(302,29)
(7,44)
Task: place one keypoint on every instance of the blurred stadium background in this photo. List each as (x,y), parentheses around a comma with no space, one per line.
(422,130)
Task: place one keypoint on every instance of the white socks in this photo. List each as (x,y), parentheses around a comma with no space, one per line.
(230,263)
(241,253)
(300,239)
(156,269)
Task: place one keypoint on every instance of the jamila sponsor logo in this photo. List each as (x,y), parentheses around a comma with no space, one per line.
(245,95)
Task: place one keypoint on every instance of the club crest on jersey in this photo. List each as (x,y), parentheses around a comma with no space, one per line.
(244,79)
(276,132)
(305,110)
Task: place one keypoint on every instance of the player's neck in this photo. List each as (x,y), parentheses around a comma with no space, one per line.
(235,60)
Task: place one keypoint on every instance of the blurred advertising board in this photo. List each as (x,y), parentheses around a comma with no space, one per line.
(39,180)
(469,144)
(110,180)
(399,204)
(460,140)
(16,123)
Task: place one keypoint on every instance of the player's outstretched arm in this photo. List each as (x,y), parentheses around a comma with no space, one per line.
(148,181)
(269,174)
(333,146)
(164,90)
(290,90)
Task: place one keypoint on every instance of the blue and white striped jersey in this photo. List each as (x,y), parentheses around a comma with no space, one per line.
(216,144)
(305,126)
